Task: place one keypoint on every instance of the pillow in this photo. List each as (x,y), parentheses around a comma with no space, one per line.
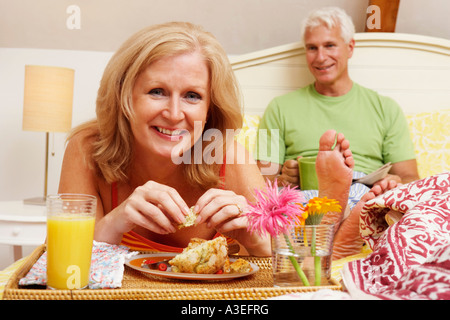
(430,133)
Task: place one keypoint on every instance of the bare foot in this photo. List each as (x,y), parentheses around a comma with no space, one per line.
(347,240)
(334,167)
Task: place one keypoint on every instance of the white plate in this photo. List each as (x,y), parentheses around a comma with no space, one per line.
(136,261)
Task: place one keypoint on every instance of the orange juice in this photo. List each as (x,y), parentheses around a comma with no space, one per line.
(69,249)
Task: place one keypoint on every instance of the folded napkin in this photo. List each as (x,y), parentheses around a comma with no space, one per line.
(107,267)
(411,258)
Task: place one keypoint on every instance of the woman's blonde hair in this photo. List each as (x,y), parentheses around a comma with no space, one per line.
(112,150)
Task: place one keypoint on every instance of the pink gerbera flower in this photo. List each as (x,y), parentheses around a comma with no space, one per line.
(274,211)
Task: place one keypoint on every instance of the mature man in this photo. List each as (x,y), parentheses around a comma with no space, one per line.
(374,125)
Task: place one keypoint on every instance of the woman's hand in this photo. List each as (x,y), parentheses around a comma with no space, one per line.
(222,210)
(153,206)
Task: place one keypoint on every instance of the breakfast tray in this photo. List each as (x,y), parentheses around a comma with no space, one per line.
(140,286)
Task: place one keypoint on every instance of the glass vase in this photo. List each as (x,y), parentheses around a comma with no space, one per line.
(302,257)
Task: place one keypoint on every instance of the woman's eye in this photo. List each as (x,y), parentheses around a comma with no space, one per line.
(193,97)
(156,92)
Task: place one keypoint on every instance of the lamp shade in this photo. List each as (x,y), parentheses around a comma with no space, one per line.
(48,99)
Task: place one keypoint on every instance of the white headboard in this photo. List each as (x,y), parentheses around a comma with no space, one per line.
(412,69)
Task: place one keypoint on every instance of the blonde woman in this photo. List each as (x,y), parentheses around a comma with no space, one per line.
(159,145)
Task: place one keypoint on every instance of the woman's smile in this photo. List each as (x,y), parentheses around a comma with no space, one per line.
(171,134)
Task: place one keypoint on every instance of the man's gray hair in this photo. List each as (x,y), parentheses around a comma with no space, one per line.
(330,17)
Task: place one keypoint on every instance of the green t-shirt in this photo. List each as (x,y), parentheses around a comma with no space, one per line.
(374,125)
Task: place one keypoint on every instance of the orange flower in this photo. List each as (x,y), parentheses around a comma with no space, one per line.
(317,207)
(301,218)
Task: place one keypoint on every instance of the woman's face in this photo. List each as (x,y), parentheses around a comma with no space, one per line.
(171,98)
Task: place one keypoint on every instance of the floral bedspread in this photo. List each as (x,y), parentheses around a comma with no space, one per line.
(410,259)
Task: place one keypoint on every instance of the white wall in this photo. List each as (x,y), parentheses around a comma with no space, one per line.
(428,18)
(22,155)
(240,25)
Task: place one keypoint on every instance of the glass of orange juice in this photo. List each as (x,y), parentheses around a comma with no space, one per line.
(70,235)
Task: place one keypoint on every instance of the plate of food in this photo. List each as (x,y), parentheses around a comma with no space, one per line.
(200,260)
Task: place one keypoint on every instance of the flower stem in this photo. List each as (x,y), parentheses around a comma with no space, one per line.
(294,262)
(317,265)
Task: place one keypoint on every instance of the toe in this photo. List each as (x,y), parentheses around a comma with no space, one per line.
(327,140)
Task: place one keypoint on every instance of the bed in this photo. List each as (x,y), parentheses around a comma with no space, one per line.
(410,259)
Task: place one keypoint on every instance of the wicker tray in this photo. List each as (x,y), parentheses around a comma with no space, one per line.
(137,285)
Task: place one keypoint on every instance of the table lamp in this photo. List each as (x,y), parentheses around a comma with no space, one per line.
(47,106)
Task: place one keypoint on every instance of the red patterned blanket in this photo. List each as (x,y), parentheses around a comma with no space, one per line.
(410,259)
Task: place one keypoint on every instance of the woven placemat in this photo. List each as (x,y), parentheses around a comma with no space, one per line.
(137,285)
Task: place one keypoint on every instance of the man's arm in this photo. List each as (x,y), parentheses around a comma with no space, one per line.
(402,172)
(406,170)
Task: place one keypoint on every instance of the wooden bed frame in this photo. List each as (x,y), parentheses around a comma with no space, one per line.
(412,69)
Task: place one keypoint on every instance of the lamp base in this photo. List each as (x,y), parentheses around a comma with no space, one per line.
(38,201)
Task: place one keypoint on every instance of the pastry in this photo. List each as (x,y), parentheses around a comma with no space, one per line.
(189,219)
(201,256)
(239,266)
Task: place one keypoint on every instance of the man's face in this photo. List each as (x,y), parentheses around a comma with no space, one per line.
(327,54)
